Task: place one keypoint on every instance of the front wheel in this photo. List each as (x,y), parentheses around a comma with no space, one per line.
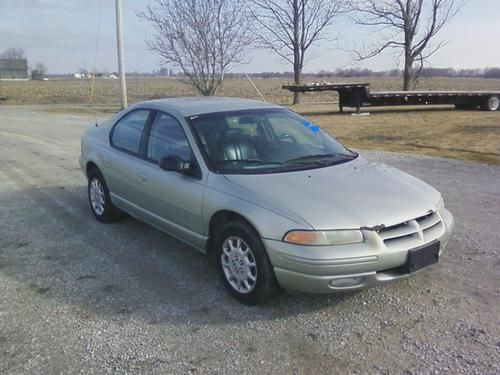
(99,199)
(243,264)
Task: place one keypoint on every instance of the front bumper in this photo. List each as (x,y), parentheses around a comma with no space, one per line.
(327,269)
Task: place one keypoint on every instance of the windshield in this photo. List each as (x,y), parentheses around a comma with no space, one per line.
(265,141)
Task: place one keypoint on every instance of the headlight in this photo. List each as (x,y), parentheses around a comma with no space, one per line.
(331,237)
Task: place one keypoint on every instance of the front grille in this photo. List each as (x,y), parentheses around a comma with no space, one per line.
(413,232)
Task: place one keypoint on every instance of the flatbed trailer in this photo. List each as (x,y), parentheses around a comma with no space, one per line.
(357,95)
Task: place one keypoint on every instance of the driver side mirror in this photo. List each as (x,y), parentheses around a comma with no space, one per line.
(175,164)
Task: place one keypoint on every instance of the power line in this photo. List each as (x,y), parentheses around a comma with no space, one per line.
(255,87)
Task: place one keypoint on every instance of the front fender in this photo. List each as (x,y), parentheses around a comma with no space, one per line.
(270,222)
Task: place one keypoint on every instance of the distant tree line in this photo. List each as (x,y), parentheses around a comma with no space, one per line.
(354,72)
(492,73)
(289,75)
(340,73)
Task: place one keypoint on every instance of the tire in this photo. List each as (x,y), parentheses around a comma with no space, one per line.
(243,264)
(99,198)
(492,103)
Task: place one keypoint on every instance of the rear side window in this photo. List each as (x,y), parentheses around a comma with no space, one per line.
(127,132)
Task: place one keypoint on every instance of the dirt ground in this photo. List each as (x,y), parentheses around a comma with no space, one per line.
(77,296)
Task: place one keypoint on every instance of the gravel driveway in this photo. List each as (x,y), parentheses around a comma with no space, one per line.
(77,296)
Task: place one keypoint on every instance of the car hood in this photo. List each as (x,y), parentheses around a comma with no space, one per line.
(354,194)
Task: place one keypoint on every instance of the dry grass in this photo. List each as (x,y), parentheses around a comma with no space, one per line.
(439,131)
(77,91)
(106,91)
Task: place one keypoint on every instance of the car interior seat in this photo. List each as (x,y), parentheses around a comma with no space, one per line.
(237,146)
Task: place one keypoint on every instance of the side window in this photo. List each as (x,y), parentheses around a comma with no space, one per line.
(128,132)
(167,138)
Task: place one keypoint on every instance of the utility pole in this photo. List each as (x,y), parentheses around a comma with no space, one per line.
(121,58)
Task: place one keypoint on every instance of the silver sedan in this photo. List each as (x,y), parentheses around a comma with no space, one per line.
(271,197)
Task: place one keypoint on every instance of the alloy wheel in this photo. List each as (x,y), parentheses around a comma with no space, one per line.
(239,265)
(97,197)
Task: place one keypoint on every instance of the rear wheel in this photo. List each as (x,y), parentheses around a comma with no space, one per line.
(492,103)
(99,199)
(243,264)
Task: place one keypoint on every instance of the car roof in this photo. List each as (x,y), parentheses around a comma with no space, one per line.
(197,105)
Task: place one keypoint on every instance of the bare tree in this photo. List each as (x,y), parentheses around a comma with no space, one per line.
(413,24)
(39,71)
(290,27)
(200,37)
(13,53)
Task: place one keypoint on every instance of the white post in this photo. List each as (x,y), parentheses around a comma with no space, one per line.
(121,58)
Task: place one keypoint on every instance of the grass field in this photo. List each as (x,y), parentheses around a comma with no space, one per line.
(441,131)
(438,131)
(77,91)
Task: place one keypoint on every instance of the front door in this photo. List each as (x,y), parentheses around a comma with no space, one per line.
(173,200)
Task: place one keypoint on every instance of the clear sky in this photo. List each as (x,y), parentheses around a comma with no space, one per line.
(62,34)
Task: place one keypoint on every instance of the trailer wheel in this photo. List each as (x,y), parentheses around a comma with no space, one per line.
(492,103)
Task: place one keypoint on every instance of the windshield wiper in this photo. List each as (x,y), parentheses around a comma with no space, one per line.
(317,158)
(249,161)
(309,157)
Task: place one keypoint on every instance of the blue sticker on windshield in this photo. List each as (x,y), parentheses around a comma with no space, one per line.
(312,127)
